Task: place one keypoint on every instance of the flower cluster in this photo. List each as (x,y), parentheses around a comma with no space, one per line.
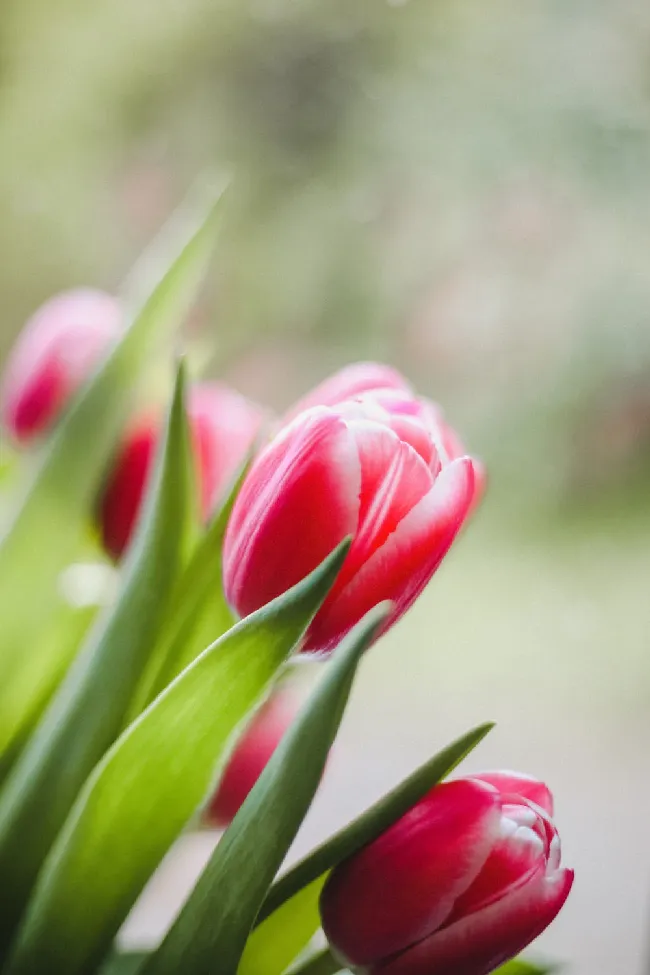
(471,873)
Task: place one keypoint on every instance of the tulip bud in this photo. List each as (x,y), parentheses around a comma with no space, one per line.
(461,883)
(55,353)
(250,757)
(223,426)
(368,468)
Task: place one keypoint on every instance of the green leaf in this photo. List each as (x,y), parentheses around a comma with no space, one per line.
(199,613)
(284,934)
(45,532)
(88,712)
(296,892)
(150,783)
(60,643)
(323,963)
(219,914)
(127,963)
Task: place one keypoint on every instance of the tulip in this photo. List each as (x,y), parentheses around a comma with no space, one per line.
(460,884)
(365,469)
(250,757)
(55,353)
(223,426)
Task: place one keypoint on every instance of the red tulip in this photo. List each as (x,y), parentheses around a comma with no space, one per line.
(223,426)
(460,884)
(55,353)
(368,468)
(250,757)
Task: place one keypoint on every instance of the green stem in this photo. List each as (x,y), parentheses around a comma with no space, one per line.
(324,963)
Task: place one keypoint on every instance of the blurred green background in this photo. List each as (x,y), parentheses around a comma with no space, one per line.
(460,188)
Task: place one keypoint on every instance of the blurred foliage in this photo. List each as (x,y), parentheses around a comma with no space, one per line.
(454,186)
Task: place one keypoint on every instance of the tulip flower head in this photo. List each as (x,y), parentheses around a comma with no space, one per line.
(369,468)
(461,883)
(250,757)
(55,353)
(223,426)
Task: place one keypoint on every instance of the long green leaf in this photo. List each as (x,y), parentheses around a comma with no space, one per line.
(87,713)
(149,784)
(199,613)
(44,533)
(124,963)
(296,892)
(285,934)
(60,643)
(212,928)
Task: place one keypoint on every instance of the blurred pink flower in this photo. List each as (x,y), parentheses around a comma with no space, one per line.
(223,426)
(54,354)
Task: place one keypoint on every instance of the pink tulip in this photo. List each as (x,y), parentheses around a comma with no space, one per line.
(364,469)
(460,884)
(250,757)
(55,353)
(223,426)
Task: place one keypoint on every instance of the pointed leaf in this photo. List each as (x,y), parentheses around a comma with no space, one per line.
(45,531)
(219,915)
(285,934)
(88,712)
(149,784)
(127,963)
(199,614)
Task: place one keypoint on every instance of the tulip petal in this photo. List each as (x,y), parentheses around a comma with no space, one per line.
(120,502)
(351,381)
(402,566)
(56,351)
(393,480)
(404,884)
(519,784)
(411,431)
(303,490)
(522,847)
(478,943)
(224,425)
(250,757)
(408,416)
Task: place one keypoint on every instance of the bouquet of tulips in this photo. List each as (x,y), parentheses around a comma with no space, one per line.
(144,691)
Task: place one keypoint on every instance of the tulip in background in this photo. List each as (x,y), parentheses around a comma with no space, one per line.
(251,756)
(223,426)
(458,886)
(370,468)
(55,353)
